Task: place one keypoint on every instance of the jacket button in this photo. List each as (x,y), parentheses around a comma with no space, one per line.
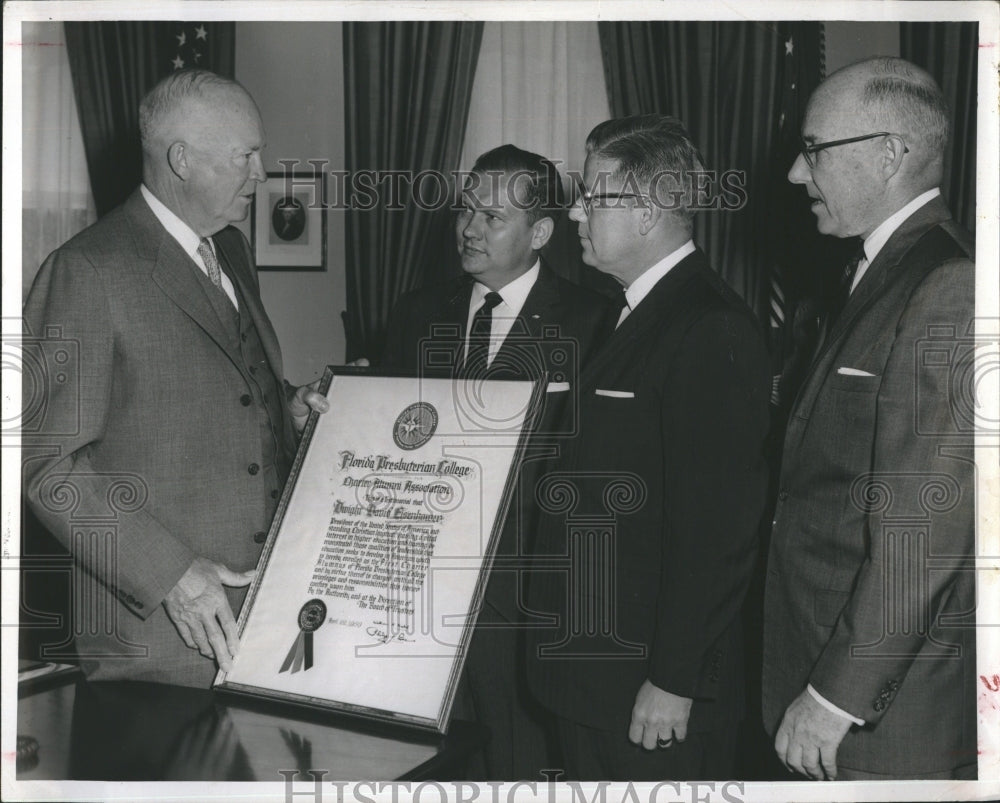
(260,537)
(253,369)
(253,468)
(275,493)
(243,337)
(245,400)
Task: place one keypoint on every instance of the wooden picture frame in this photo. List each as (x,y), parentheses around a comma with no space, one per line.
(288,222)
(374,571)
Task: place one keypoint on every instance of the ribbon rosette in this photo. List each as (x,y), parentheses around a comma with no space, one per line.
(300,655)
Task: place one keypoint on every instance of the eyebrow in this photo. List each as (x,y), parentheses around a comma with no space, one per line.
(479,206)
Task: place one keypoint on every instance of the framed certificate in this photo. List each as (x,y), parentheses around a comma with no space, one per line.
(376,562)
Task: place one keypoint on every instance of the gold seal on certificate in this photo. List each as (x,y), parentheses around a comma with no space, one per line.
(375,566)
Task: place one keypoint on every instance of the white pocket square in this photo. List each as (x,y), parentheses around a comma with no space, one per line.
(557,387)
(845,371)
(615,394)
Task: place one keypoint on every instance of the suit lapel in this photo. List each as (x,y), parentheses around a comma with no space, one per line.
(653,311)
(531,321)
(173,272)
(879,275)
(235,263)
(456,308)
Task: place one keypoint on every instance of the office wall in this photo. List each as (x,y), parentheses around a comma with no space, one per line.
(847,42)
(295,71)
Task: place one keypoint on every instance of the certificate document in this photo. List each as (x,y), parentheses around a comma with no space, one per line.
(377,559)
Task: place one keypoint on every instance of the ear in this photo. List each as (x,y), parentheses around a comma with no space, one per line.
(891,156)
(648,214)
(541,232)
(177,158)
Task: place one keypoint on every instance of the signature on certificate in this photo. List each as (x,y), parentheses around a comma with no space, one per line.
(380,631)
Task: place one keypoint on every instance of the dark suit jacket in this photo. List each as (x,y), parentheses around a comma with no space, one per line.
(870,594)
(555,331)
(651,512)
(146,447)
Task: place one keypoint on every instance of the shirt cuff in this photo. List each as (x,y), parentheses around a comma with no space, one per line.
(819,698)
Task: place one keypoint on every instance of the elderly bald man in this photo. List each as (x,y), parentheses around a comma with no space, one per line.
(869,627)
(166,450)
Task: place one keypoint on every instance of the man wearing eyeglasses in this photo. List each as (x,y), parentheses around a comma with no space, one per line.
(508,317)
(869,639)
(648,531)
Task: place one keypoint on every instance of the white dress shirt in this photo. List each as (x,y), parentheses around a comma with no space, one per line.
(186,238)
(878,238)
(514,295)
(640,288)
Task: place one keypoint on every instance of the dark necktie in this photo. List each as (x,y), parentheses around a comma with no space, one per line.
(844,288)
(479,336)
(620,305)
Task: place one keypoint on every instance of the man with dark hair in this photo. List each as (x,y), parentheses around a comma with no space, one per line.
(650,514)
(510,204)
(176,432)
(869,635)
(508,317)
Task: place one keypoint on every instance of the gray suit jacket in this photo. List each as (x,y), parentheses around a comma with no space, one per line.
(142,457)
(870,592)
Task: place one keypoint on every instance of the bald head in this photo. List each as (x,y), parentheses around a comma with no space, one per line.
(201,141)
(186,104)
(891,94)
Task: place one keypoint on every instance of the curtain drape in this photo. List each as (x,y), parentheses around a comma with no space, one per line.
(56,201)
(950,52)
(727,82)
(407,88)
(539,86)
(113,65)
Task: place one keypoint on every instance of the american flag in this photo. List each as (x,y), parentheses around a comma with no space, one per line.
(190,45)
(801,50)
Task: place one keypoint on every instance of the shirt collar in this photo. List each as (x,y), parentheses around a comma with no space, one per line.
(514,293)
(640,288)
(175,227)
(878,238)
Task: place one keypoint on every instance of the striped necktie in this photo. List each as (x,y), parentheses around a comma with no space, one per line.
(211,262)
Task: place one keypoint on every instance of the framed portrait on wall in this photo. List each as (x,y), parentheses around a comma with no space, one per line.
(289,222)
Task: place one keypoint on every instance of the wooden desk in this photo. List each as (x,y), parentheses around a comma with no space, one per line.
(124,731)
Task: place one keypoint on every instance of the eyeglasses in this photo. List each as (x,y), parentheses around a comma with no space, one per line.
(587,199)
(809,151)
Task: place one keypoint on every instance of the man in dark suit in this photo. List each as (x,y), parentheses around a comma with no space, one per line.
(650,513)
(508,317)
(869,637)
(158,465)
